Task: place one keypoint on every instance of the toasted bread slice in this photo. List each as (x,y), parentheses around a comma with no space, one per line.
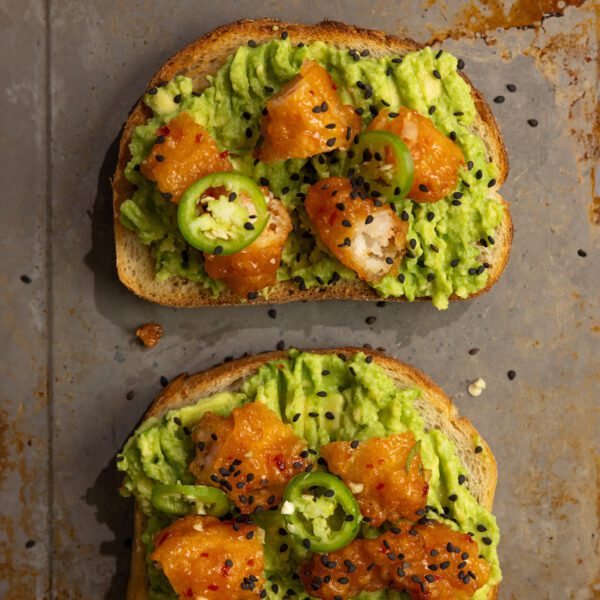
(435,407)
(205,56)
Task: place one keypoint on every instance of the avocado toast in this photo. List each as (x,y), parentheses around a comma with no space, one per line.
(452,248)
(328,402)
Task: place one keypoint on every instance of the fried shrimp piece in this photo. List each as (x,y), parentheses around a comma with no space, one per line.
(250,455)
(365,235)
(436,158)
(255,266)
(385,474)
(429,562)
(183,153)
(204,558)
(307,117)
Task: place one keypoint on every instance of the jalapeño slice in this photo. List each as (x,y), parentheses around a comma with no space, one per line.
(383,164)
(222,213)
(320,512)
(190,499)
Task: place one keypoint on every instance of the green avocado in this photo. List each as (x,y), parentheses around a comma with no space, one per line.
(230,108)
(365,403)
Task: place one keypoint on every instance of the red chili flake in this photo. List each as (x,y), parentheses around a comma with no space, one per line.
(280,462)
(198,138)
(204,555)
(380,486)
(189,593)
(425,489)
(370,466)
(224,154)
(164,130)
(225,570)
(250,563)
(213,587)
(165,535)
(334,86)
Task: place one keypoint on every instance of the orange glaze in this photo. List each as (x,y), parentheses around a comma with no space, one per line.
(391,490)
(203,557)
(252,458)
(188,153)
(363,234)
(295,125)
(254,267)
(416,558)
(436,158)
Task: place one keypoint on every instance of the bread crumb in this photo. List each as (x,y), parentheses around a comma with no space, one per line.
(149,334)
(476,388)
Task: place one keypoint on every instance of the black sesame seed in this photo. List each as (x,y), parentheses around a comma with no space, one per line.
(430,216)
(404,216)
(252,295)
(491,183)
(460,64)
(453,498)
(511,374)
(436,74)
(370,320)
(499,99)
(461,479)
(331,142)
(272,313)
(248,132)
(532,122)
(454,262)
(25,279)
(486,540)
(582,253)
(280,345)
(346,223)
(177,98)
(252,43)
(248,226)
(160,158)
(164,381)
(284,35)
(478,449)
(431,110)
(423,187)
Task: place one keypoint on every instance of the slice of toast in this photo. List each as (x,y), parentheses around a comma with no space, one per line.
(205,56)
(435,407)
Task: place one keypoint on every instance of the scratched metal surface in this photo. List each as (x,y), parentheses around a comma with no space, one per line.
(72,70)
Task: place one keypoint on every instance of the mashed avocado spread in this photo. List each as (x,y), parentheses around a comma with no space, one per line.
(365,402)
(230,108)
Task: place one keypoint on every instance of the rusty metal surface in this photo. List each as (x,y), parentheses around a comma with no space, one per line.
(75,380)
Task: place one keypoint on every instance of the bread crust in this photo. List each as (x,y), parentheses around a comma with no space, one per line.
(135,265)
(189,389)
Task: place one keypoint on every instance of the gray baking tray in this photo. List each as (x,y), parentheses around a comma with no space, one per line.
(75,381)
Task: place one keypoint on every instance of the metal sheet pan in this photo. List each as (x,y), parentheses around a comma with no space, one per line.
(75,381)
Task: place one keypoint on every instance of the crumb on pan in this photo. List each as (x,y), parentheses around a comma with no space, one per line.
(149,334)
